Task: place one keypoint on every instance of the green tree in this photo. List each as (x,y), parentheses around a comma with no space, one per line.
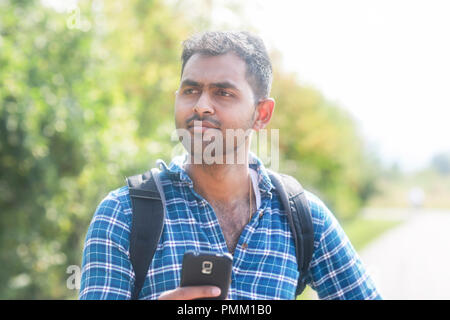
(321,146)
(441,163)
(85,99)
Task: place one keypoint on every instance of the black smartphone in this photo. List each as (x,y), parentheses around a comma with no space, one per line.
(206,268)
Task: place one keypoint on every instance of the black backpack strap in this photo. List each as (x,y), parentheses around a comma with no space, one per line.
(298,212)
(147,224)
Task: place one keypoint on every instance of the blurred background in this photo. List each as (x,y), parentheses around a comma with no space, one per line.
(362,105)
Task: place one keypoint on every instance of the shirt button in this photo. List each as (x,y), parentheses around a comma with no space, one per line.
(261,215)
(244,246)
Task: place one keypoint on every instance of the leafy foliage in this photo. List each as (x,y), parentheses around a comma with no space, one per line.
(321,146)
(441,163)
(80,110)
(86,98)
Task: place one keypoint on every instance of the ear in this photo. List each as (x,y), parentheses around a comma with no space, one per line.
(264,111)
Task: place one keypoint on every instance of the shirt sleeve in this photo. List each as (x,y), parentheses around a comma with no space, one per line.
(336,271)
(106,271)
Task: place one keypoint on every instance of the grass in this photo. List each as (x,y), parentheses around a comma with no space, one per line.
(361,231)
(393,191)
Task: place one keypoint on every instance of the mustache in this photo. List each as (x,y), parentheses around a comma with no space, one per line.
(196,117)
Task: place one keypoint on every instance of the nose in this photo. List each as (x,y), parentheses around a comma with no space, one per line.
(204,105)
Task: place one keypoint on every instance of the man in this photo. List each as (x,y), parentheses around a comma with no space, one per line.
(227,206)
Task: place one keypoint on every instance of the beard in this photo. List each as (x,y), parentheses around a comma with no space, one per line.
(216,145)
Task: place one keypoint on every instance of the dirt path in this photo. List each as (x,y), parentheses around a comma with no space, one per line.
(412,261)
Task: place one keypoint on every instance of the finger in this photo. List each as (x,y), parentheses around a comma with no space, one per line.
(189,293)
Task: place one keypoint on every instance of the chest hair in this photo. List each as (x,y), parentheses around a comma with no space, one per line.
(232,220)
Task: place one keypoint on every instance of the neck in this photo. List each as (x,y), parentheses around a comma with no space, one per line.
(225,183)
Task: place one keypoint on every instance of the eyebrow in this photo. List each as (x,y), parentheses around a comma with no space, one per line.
(222,85)
(190,83)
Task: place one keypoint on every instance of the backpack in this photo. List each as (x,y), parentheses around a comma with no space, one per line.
(148,222)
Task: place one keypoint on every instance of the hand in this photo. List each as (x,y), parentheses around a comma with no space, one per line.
(189,293)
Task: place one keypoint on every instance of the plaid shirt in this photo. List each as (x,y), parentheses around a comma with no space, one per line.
(264,262)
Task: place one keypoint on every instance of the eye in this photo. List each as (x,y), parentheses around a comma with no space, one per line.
(190,91)
(225,93)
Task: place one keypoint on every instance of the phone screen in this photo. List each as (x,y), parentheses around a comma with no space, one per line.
(206,268)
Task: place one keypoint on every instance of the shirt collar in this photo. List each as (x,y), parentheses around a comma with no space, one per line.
(176,170)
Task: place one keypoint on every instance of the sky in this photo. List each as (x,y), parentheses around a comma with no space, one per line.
(385,61)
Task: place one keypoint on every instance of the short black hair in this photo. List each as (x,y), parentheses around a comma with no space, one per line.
(246,45)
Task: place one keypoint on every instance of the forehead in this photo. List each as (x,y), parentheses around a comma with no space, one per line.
(206,69)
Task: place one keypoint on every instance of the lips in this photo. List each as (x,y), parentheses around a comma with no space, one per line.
(201,125)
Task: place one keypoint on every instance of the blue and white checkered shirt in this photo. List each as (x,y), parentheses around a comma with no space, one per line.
(264,261)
